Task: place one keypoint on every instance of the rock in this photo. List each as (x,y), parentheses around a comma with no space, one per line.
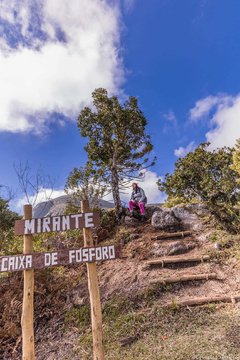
(198,209)
(133,236)
(164,219)
(78,296)
(183,214)
(130,221)
(150,209)
(175,249)
(102,234)
(158,250)
(190,215)
(180,248)
(190,212)
(217,246)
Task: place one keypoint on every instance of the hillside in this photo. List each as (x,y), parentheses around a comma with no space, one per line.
(144,313)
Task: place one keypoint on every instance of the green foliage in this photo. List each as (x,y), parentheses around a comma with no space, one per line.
(236,159)
(115,307)
(7,217)
(80,316)
(207,176)
(8,242)
(85,183)
(107,218)
(117,142)
(175,200)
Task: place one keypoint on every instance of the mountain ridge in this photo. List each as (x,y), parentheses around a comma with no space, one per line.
(57,206)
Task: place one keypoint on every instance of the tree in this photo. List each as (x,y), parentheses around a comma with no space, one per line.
(7,217)
(117,142)
(35,186)
(83,184)
(208,177)
(236,159)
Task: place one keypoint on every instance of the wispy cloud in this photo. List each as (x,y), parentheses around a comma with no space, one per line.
(52,56)
(170,116)
(223,115)
(44,194)
(182,151)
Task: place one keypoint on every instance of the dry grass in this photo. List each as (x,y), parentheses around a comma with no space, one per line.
(203,333)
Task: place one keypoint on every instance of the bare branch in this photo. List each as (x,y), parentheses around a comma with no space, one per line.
(32,184)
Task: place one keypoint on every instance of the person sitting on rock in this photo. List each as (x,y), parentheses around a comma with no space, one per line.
(138,200)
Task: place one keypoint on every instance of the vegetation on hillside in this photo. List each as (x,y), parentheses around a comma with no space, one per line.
(85,183)
(136,324)
(207,176)
(236,159)
(8,243)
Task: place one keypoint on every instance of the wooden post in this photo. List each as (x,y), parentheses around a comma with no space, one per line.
(28,351)
(94,293)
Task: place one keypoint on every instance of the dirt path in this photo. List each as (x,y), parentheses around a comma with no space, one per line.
(129,275)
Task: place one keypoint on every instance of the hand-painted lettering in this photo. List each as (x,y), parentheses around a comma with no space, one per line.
(29,227)
(77,220)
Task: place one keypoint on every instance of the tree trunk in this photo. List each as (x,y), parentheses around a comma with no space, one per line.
(115,183)
(115,192)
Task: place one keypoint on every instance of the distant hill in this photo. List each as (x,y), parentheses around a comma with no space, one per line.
(58,206)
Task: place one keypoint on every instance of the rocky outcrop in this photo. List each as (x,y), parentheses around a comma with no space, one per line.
(188,216)
(151,209)
(184,215)
(164,219)
(189,212)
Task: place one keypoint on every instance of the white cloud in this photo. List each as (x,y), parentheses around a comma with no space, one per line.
(71,49)
(182,151)
(44,194)
(224,121)
(149,184)
(202,107)
(170,116)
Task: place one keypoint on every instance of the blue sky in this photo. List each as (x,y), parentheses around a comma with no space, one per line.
(180,58)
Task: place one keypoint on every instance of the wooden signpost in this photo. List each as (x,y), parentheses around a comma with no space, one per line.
(29,261)
(27,321)
(56,258)
(56,223)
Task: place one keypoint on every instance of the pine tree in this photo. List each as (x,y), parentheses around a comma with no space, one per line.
(117,142)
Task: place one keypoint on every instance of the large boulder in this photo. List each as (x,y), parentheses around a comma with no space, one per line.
(190,215)
(183,214)
(150,209)
(197,209)
(164,219)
